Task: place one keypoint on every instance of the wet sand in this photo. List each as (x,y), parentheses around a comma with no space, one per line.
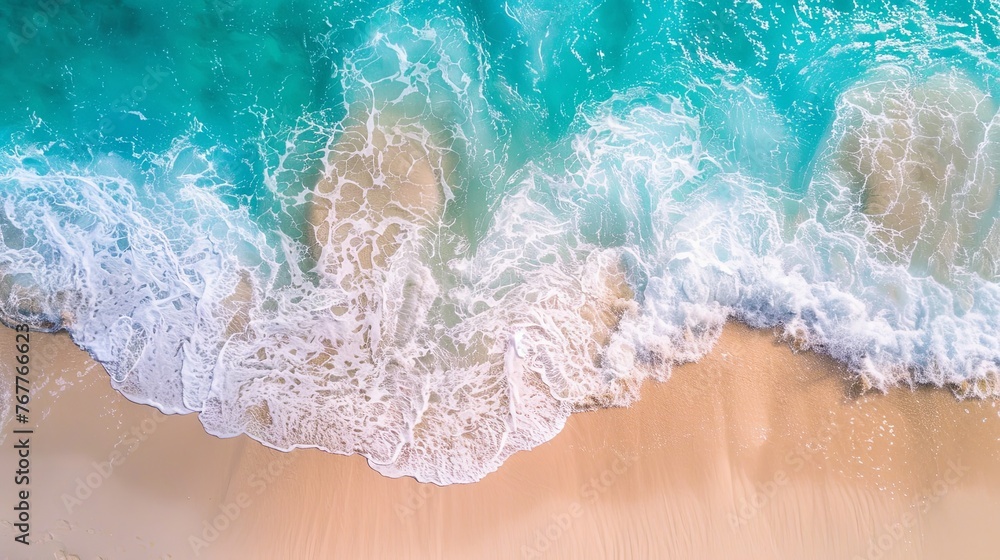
(754,452)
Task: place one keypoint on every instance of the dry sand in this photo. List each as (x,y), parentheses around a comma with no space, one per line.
(754,452)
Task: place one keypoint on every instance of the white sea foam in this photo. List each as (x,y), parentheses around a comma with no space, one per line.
(393,328)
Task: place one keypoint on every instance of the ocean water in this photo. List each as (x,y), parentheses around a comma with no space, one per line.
(428,232)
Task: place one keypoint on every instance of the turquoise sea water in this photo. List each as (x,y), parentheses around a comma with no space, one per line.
(611,182)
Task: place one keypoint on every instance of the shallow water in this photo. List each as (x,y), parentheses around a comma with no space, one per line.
(429,232)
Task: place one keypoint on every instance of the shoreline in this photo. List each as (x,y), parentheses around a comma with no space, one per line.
(753,452)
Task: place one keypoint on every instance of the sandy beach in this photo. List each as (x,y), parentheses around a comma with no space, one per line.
(753,452)
(433,238)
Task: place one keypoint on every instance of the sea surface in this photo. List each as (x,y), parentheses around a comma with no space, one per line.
(428,232)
